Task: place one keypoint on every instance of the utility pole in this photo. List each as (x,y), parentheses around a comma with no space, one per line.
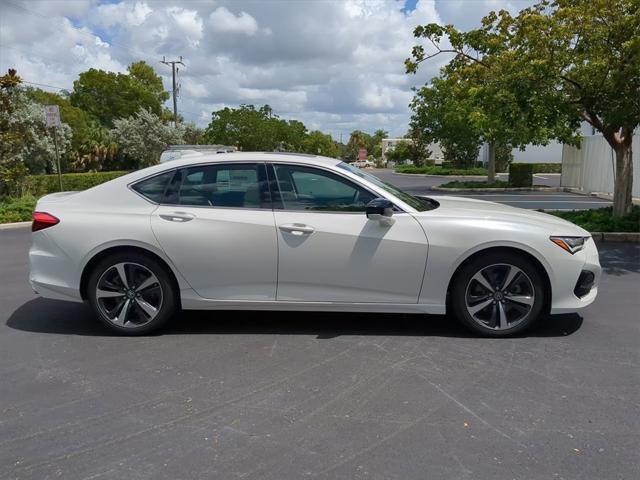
(174,70)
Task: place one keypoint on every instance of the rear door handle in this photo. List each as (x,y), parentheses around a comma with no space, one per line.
(297,229)
(177,216)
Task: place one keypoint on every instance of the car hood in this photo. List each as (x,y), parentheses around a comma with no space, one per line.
(462,207)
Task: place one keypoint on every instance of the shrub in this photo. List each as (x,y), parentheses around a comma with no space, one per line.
(521,175)
(446,164)
(16,209)
(38,185)
(547,167)
(440,170)
(602,220)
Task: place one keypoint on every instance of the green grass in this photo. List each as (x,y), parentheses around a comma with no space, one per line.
(475,184)
(601,220)
(17,209)
(433,170)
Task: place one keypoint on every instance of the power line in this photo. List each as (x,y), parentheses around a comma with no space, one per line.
(43,85)
(174,71)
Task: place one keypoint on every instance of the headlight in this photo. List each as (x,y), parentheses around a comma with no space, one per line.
(570,244)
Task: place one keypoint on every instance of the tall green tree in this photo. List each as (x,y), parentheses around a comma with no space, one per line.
(255,129)
(357,140)
(27,145)
(319,143)
(108,95)
(442,113)
(85,129)
(549,68)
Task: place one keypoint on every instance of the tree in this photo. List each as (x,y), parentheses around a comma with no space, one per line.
(319,143)
(108,95)
(143,136)
(357,140)
(84,127)
(255,129)
(504,157)
(193,135)
(27,146)
(551,67)
(442,113)
(401,152)
(12,170)
(97,150)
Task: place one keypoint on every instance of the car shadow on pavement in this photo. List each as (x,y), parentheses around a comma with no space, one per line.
(68,318)
(619,259)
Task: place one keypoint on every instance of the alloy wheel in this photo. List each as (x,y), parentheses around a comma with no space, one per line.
(129,295)
(500,296)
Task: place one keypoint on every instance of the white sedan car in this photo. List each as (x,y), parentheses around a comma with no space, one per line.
(267,231)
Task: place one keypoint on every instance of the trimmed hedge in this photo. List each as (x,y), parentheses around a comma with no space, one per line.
(521,175)
(38,185)
(475,184)
(547,167)
(440,170)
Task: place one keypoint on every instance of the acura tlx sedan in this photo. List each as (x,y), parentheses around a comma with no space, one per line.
(274,231)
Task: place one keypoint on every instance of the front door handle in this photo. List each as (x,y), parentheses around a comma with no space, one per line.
(297,229)
(177,216)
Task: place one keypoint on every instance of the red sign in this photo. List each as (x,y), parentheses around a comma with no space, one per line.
(362,154)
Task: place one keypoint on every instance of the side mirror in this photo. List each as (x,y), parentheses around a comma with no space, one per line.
(379,208)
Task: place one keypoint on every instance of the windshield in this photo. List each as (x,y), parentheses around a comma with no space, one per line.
(420,204)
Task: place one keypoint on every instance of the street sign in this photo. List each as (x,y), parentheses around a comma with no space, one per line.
(362,154)
(52,113)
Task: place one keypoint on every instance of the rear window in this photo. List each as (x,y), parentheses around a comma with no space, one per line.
(153,188)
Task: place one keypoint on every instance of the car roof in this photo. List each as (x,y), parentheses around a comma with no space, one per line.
(198,158)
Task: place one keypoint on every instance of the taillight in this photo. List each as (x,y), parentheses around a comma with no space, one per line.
(42,220)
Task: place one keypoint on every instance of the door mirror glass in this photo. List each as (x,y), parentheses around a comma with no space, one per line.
(379,208)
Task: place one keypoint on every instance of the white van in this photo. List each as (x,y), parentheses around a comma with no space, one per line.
(174,152)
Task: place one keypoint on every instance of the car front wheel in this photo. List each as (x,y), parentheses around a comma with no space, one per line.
(498,294)
(131,293)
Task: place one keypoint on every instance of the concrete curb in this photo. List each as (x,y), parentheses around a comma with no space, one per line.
(467,177)
(601,195)
(7,226)
(461,177)
(631,237)
(500,189)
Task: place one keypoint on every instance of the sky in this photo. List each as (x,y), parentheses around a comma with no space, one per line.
(336,65)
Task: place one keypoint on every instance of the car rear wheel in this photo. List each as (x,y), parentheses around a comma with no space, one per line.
(131,293)
(498,294)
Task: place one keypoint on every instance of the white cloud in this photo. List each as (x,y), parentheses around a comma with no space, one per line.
(222,20)
(336,65)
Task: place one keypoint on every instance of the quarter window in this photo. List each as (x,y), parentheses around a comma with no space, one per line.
(153,188)
(305,188)
(224,185)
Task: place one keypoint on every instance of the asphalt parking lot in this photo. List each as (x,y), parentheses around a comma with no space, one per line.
(292,395)
(422,185)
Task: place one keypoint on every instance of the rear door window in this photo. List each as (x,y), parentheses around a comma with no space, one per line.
(223,185)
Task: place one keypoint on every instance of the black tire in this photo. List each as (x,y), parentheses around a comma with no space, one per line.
(490,266)
(162,289)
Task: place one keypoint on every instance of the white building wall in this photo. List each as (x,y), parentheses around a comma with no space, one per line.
(591,167)
(551,153)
